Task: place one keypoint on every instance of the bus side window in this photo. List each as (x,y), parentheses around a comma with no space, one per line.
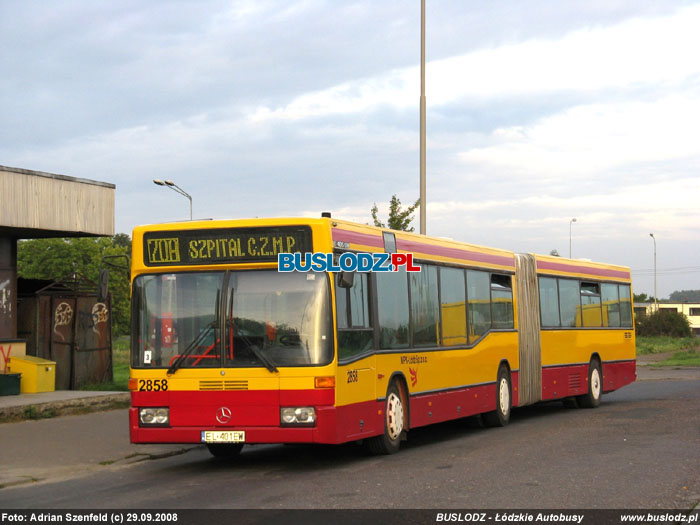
(611,304)
(625,306)
(590,305)
(501,301)
(549,302)
(354,319)
(425,313)
(453,306)
(570,303)
(392,309)
(479,303)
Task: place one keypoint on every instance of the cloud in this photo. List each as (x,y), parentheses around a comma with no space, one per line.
(618,57)
(586,141)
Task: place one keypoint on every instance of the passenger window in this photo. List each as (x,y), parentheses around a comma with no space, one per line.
(611,305)
(392,304)
(479,300)
(590,305)
(569,303)
(625,306)
(549,302)
(453,307)
(424,306)
(501,301)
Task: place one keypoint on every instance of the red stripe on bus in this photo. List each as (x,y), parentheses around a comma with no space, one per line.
(415,246)
(357,238)
(597,272)
(454,253)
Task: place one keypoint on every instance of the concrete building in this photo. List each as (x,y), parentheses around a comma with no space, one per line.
(35,204)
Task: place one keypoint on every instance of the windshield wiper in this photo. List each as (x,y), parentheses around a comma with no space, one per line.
(190,348)
(249,344)
(263,358)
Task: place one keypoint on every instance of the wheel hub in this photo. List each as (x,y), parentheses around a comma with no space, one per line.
(394,416)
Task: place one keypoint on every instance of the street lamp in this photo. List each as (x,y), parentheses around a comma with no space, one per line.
(570,223)
(656,296)
(422,119)
(170,184)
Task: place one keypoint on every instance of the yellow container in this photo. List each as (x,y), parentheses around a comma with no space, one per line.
(38,375)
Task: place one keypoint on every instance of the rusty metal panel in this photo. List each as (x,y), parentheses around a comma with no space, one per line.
(93,344)
(45,325)
(64,322)
(62,339)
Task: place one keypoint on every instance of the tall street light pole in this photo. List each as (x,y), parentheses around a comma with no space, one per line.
(422,117)
(177,189)
(656,296)
(570,223)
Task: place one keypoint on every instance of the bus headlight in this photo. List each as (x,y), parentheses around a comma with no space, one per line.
(154,416)
(298,415)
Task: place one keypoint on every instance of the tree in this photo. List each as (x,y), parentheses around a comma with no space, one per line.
(56,259)
(685,296)
(398,219)
(123,240)
(641,298)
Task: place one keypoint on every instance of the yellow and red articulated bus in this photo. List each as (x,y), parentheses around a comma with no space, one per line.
(227,350)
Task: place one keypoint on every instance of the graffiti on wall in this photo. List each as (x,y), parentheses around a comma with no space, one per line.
(100,315)
(5,298)
(62,317)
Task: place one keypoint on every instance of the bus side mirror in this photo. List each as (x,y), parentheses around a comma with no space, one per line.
(346,279)
(103,285)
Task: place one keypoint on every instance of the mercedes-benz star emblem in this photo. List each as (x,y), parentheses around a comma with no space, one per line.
(223,415)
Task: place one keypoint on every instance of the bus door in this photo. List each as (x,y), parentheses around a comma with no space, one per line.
(356,383)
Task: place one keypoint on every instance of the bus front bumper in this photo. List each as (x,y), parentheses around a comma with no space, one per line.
(323,431)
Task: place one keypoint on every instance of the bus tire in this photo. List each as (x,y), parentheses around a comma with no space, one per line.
(225,450)
(394,424)
(504,395)
(591,399)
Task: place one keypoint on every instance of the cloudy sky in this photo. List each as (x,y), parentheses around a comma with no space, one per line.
(538,112)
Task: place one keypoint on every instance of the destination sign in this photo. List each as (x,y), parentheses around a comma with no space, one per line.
(224,245)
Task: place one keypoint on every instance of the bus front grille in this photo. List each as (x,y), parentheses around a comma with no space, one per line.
(223,385)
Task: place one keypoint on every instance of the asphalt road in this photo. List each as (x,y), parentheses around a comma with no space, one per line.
(640,449)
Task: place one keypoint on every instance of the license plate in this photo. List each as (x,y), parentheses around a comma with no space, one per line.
(224,436)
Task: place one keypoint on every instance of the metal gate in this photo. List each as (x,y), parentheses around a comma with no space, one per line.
(66,323)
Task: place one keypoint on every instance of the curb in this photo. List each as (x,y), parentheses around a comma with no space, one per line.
(49,409)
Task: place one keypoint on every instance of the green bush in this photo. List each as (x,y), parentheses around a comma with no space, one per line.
(673,324)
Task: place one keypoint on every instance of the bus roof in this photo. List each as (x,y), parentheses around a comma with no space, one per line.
(332,233)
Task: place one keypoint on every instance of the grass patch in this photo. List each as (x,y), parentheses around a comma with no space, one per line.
(120,368)
(682,358)
(32,412)
(664,344)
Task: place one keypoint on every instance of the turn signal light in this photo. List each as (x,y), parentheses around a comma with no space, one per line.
(133,384)
(324,382)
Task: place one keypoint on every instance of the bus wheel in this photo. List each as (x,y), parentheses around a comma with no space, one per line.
(225,450)
(595,386)
(394,424)
(501,416)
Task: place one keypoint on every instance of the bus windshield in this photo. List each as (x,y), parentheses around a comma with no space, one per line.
(231,319)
